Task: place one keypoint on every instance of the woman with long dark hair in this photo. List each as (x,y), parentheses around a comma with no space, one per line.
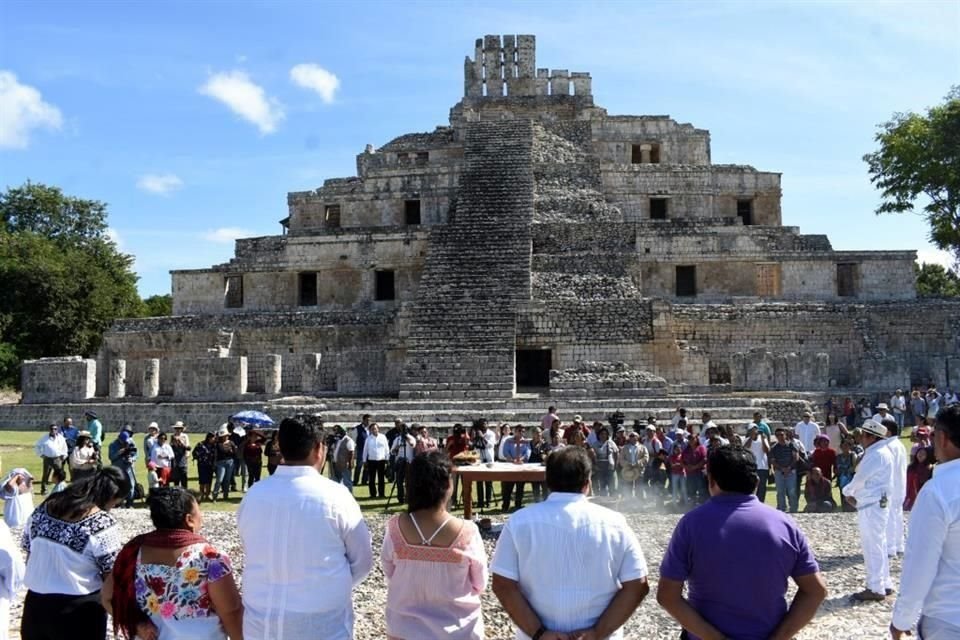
(171,584)
(72,542)
(435,563)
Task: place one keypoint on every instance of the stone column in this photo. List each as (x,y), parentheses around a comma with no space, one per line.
(118,378)
(645,150)
(559,82)
(311,367)
(273,373)
(151,378)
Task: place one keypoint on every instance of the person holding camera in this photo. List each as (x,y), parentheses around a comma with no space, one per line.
(403,449)
(123,453)
(484,442)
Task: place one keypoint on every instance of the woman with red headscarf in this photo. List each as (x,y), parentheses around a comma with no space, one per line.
(171,584)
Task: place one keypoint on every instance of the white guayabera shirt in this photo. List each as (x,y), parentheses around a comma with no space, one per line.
(931,567)
(568,590)
(306,546)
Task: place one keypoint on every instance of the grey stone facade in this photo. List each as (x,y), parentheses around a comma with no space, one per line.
(535,241)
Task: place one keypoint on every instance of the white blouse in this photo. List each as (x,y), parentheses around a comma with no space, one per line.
(69,558)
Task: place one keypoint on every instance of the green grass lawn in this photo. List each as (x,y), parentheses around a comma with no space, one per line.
(16,449)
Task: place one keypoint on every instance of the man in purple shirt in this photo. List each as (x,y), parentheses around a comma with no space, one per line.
(735,554)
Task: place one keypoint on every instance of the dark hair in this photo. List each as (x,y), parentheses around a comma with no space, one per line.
(298,438)
(428,478)
(170,506)
(99,490)
(890,424)
(365,416)
(162,436)
(210,434)
(948,421)
(733,468)
(59,475)
(568,470)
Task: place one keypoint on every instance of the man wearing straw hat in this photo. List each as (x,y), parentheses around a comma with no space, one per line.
(870,492)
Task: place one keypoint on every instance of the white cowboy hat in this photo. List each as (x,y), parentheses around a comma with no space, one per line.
(223,431)
(631,473)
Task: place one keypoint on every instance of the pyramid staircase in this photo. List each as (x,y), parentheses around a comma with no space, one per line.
(477,273)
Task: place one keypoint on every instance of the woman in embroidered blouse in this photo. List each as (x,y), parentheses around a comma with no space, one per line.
(171,584)
(72,542)
(435,564)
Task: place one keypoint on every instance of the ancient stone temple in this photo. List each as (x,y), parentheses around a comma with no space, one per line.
(534,243)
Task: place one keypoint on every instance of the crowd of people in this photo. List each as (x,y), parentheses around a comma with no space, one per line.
(307,545)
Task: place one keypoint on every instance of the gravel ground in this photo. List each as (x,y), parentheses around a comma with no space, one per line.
(834,539)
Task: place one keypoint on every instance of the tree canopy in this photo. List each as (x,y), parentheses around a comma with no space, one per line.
(918,164)
(63,279)
(934,281)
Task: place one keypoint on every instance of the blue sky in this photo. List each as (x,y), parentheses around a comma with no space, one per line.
(194,119)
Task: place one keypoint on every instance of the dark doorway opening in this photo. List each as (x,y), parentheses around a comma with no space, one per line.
(745,211)
(308,289)
(658,208)
(533,367)
(411,212)
(384,288)
(687,281)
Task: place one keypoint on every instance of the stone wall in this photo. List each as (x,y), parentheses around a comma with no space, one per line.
(345,264)
(58,379)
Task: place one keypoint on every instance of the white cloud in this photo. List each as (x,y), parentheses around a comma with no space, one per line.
(245,98)
(316,78)
(935,256)
(225,235)
(159,183)
(22,109)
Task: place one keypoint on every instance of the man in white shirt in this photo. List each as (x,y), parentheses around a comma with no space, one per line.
(870,492)
(898,478)
(52,449)
(883,413)
(931,567)
(898,404)
(306,546)
(376,451)
(760,448)
(593,586)
(807,431)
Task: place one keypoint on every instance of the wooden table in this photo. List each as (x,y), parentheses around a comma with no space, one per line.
(495,471)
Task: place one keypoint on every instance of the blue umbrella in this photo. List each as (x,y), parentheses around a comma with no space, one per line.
(252,419)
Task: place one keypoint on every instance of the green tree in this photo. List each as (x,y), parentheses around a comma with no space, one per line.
(45,210)
(63,280)
(933,281)
(158,306)
(919,160)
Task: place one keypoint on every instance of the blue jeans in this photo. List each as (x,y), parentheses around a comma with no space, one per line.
(678,488)
(787,488)
(131,475)
(346,479)
(224,471)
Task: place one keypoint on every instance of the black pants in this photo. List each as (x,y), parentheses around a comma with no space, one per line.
(762,485)
(178,477)
(253,473)
(508,491)
(57,617)
(400,479)
(376,477)
(358,468)
(484,494)
(49,466)
(272,468)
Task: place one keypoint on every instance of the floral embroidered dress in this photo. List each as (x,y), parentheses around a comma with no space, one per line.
(434,592)
(175,597)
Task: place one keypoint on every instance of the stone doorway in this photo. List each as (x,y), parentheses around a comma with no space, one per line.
(533,368)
